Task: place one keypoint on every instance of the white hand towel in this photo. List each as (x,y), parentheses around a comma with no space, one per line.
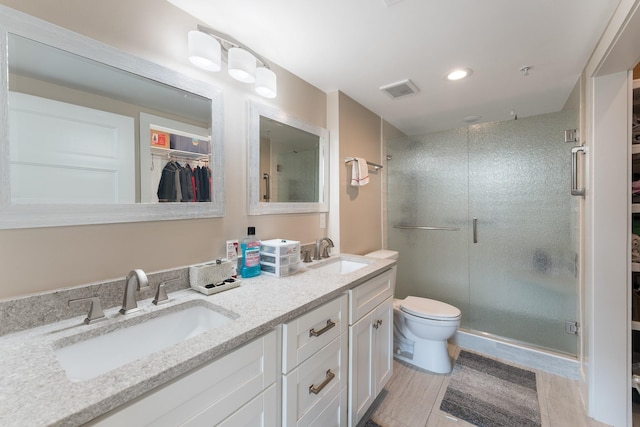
(359,172)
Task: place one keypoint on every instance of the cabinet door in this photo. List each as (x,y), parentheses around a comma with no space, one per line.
(361,368)
(383,343)
(259,412)
(206,395)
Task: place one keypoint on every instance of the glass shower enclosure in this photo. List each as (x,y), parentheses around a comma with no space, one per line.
(483,219)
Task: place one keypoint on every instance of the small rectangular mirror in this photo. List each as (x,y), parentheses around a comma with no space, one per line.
(288,163)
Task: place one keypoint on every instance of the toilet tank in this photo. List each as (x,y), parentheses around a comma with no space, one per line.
(383,253)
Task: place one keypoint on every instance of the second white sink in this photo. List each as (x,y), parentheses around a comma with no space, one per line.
(100,354)
(340,266)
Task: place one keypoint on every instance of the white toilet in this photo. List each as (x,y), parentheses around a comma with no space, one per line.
(422,327)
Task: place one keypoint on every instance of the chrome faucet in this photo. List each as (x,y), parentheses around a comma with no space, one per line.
(317,255)
(135,281)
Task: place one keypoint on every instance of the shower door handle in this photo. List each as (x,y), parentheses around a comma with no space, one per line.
(267,189)
(475,230)
(575,191)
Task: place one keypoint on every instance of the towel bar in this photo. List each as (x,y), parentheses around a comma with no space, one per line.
(375,165)
(421,227)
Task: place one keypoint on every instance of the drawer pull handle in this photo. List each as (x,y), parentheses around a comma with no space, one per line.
(314,333)
(330,376)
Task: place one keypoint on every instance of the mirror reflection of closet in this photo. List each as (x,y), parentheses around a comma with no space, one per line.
(91,128)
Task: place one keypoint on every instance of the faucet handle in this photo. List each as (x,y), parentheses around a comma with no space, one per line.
(161,294)
(95,310)
(325,252)
(307,256)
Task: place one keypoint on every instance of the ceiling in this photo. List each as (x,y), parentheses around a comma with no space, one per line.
(358,46)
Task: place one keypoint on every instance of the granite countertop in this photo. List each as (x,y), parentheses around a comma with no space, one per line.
(35,390)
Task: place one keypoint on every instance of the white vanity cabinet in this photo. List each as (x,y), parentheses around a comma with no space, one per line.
(370,342)
(237,389)
(314,367)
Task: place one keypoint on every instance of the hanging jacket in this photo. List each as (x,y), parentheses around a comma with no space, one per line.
(167,187)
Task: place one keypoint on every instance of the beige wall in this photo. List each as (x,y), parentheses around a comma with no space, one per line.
(360,207)
(35,260)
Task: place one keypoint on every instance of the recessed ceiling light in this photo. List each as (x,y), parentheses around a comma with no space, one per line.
(459,73)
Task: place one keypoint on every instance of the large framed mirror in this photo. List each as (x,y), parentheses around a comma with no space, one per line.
(288,163)
(93,135)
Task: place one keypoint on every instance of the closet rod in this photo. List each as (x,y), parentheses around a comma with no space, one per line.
(201,158)
(375,165)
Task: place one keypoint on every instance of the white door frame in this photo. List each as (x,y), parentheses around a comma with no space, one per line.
(606,343)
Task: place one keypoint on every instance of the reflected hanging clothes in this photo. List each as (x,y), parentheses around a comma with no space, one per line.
(167,191)
(186,184)
(203,192)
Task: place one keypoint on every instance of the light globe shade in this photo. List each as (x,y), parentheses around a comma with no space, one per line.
(204,51)
(266,84)
(242,65)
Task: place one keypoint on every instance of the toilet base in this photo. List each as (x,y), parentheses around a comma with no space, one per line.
(432,356)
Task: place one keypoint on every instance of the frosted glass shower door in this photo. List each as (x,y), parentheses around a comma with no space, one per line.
(522,269)
(427,185)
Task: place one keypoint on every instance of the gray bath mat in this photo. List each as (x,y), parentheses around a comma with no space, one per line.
(488,393)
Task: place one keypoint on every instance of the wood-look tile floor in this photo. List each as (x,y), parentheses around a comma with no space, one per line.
(413,400)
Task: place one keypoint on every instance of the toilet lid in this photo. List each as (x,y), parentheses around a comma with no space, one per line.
(428,308)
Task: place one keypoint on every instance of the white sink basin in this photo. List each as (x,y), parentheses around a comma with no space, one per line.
(340,266)
(100,354)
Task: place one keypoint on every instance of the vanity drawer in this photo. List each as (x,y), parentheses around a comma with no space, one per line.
(313,385)
(367,296)
(332,415)
(307,334)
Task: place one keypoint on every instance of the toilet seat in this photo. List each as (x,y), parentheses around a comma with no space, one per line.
(429,309)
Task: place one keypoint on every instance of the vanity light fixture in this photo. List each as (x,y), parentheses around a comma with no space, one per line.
(243,64)
(266,82)
(459,73)
(204,51)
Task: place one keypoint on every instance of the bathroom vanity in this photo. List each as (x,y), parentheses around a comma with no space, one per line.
(280,357)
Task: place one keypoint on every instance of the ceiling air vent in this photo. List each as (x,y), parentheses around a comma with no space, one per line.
(398,89)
